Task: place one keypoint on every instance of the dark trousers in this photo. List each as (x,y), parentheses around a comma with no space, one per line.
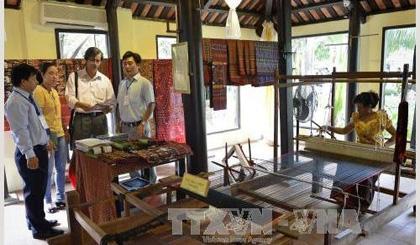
(87,126)
(35,183)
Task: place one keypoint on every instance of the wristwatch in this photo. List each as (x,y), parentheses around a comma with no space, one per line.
(143,122)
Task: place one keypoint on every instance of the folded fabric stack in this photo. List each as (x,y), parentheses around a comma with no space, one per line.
(94,146)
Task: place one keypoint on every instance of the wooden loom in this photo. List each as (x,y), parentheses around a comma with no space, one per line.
(294,185)
(152,226)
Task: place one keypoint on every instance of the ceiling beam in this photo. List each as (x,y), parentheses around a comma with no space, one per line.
(166,3)
(308,7)
(404,3)
(319,21)
(239,12)
(207,4)
(268,9)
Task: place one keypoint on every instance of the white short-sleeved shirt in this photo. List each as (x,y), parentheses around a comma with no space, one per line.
(140,94)
(90,90)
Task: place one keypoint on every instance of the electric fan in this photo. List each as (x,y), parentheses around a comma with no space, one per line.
(305,102)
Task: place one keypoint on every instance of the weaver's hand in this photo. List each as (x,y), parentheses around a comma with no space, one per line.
(33,163)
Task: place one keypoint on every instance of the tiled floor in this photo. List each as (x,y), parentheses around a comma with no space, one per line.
(401,231)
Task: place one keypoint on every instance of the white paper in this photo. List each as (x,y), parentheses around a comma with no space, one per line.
(180,68)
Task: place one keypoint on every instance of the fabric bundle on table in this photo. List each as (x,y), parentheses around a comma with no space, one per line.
(266,54)
(165,152)
(169,111)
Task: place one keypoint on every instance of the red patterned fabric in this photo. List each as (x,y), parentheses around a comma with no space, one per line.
(146,69)
(207,61)
(169,111)
(218,96)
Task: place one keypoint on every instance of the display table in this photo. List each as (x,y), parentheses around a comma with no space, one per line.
(94,174)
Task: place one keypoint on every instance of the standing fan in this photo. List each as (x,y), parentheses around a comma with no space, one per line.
(305,102)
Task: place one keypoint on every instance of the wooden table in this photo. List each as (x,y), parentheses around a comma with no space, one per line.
(95,175)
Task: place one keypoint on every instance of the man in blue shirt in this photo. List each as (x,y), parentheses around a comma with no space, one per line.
(136,102)
(29,131)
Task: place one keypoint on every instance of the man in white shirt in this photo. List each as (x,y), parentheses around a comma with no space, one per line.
(136,102)
(94,99)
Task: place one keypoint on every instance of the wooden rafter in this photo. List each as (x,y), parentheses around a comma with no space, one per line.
(268,8)
(239,12)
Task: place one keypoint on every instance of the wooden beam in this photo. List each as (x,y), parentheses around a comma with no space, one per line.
(89,226)
(139,10)
(391,10)
(166,3)
(268,8)
(306,12)
(388,4)
(320,21)
(207,4)
(318,10)
(324,4)
(373,5)
(404,3)
(332,12)
(239,12)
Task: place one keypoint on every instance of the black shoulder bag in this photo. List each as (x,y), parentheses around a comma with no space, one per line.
(73,112)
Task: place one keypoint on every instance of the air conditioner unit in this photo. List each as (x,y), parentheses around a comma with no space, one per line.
(73,15)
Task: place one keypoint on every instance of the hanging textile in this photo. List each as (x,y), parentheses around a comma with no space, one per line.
(233,65)
(146,69)
(246,61)
(219,77)
(169,112)
(106,68)
(219,74)
(233,28)
(207,58)
(266,58)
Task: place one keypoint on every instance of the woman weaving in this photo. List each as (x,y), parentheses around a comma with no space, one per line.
(369,126)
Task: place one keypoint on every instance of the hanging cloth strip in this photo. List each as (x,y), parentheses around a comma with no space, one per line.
(234,76)
(267,57)
(219,87)
(207,59)
(169,112)
(146,69)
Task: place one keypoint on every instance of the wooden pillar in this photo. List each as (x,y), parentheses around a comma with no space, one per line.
(284,30)
(111,15)
(189,26)
(353,58)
